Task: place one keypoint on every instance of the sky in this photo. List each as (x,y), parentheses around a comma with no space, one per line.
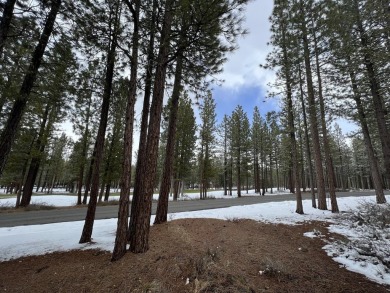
(21,241)
(245,83)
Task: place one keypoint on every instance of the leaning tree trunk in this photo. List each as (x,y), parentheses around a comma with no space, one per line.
(145,178)
(162,207)
(375,172)
(328,157)
(8,134)
(124,198)
(99,146)
(314,122)
(6,23)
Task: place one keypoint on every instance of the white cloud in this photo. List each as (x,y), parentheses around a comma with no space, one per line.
(242,67)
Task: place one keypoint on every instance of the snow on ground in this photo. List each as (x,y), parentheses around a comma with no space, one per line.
(41,239)
(71,200)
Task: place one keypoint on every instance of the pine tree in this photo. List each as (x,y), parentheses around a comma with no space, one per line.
(312,108)
(207,130)
(7,136)
(99,144)
(123,213)
(282,38)
(6,23)
(256,131)
(147,164)
(240,130)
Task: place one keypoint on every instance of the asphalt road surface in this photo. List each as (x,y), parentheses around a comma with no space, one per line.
(106,212)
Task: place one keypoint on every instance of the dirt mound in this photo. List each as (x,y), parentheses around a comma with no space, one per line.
(195,255)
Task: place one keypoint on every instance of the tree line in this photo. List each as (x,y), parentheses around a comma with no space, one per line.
(89,62)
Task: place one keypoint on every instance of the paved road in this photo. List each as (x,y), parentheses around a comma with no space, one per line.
(106,212)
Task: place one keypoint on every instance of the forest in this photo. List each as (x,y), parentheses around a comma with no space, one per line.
(87,63)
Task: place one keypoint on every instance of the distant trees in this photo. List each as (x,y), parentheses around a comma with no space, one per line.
(311,38)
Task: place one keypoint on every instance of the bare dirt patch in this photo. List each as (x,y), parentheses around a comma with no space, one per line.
(195,255)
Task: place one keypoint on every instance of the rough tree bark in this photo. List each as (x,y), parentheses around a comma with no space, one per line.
(145,177)
(377,99)
(8,134)
(162,207)
(291,127)
(99,146)
(146,104)
(307,144)
(123,211)
(328,157)
(83,153)
(374,166)
(313,120)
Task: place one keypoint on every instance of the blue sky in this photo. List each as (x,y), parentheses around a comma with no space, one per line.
(245,83)
(227,99)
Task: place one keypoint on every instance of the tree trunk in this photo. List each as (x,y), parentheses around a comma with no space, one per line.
(145,178)
(107,168)
(225,163)
(148,90)
(84,153)
(307,143)
(8,134)
(39,179)
(375,172)
(6,23)
(146,104)
(89,176)
(271,179)
(231,176)
(102,188)
(35,161)
(99,146)
(46,179)
(162,207)
(291,127)
(313,122)
(107,192)
(239,173)
(328,157)
(379,107)
(22,182)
